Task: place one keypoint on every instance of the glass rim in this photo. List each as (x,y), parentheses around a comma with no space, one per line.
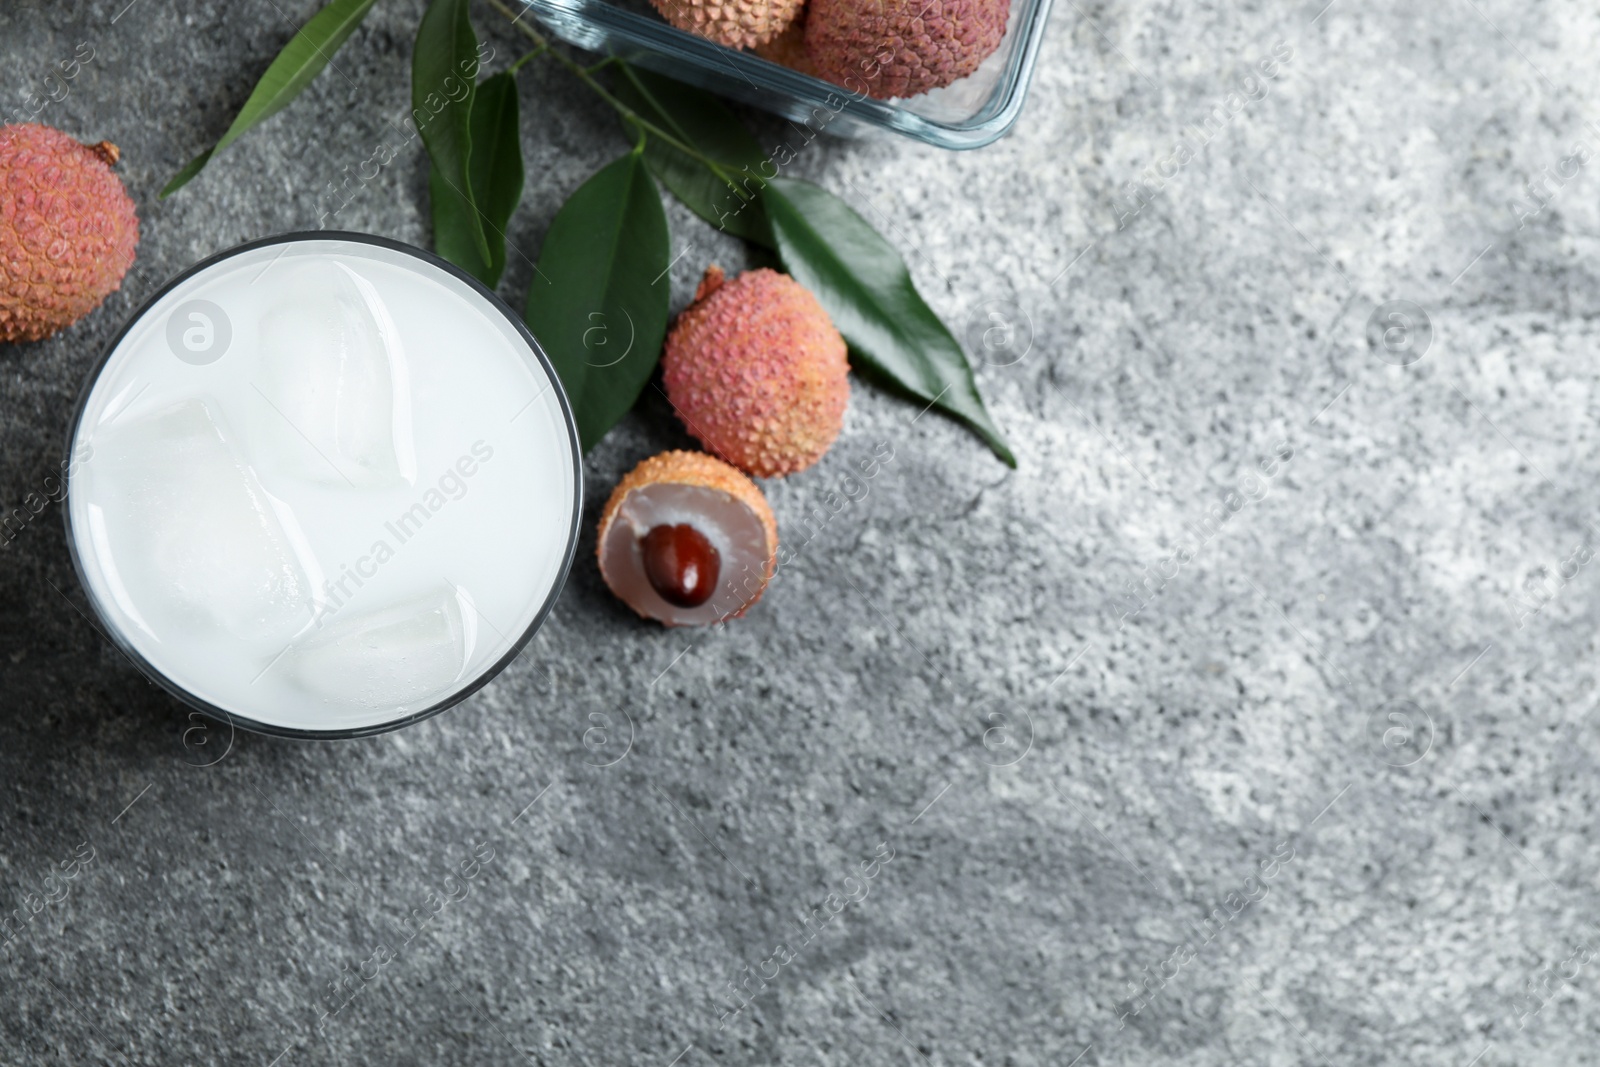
(233,719)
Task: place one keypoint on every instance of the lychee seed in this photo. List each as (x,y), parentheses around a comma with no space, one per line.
(681,563)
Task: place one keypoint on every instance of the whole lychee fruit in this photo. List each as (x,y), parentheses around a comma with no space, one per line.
(898,48)
(687,540)
(757,372)
(67,230)
(788,49)
(735,23)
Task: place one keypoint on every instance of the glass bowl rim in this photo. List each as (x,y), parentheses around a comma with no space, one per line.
(1000,112)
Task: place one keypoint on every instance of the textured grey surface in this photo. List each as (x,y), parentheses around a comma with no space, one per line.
(948,668)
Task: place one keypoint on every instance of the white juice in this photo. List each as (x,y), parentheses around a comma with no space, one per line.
(322,485)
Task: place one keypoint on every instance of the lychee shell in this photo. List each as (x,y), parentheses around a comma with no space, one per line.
(901,48)
(735,23)
(788,49)
(757,372)
(67,230)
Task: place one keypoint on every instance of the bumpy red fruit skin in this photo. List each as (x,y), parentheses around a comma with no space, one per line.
(735,23)
(898,48)
(757,372)
(788,49)
(67,230)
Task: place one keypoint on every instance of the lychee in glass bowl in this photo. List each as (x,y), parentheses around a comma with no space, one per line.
(970,113)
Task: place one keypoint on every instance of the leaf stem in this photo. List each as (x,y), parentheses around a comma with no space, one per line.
(585,75)
(535,54)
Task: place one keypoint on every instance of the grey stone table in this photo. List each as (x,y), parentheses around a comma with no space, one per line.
(1248,721)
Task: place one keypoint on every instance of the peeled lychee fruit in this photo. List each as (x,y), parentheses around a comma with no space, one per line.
(687,540)
(67,230)
(735,23)
(898,48)
(757,372)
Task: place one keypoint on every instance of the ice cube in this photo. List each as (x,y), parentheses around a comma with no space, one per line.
(405,656)
(333,367)
(190,529)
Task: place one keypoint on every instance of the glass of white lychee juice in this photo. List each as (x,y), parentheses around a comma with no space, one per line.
(323,485)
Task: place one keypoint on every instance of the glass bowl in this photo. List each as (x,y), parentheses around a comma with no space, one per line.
(968,114)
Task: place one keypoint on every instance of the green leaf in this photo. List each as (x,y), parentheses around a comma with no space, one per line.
(867,290)
(699,119)
(496,179)
(598,302)
(444,74)
(301,60)
(190,169)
